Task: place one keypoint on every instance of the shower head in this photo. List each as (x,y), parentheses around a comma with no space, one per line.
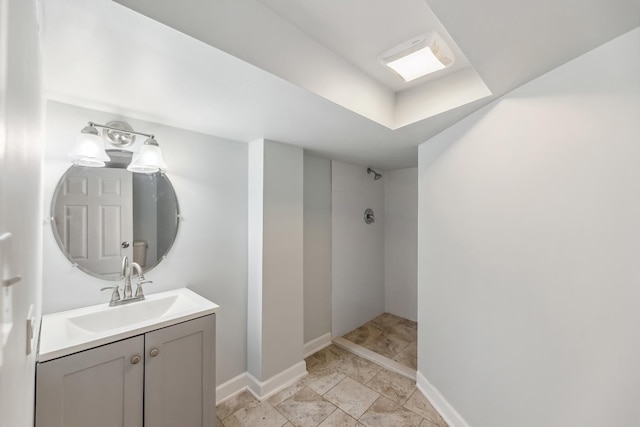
(376,175)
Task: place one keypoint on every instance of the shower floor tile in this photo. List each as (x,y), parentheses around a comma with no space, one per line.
(391,336)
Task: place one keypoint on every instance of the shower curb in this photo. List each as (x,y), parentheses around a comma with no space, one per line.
(385,362)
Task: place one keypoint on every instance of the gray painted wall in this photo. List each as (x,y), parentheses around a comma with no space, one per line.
(317,247)
(282,296)
(529,236)
(209,255)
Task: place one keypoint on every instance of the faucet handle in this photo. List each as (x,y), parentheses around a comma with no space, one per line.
(115,296)
(142,281)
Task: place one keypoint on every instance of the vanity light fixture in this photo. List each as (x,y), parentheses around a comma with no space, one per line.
(89,148)
(149,159)
(422,55)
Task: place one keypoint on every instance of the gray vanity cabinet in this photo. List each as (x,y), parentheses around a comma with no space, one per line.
(100,387)
(179,375)
(164,378)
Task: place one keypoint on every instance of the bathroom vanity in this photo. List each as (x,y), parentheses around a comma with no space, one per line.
(150,363)
(139,360)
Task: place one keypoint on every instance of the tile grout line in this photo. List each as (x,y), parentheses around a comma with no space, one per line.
(380,394)
(321,395)
(331,413)
(403,348)
(401,405)
(369,407)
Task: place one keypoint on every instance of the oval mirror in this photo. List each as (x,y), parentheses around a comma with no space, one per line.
(99,215)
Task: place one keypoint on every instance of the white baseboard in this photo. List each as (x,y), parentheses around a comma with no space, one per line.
(232,387)
(317,344)
(383,361)
(265,389)
(448,412)
(260,389)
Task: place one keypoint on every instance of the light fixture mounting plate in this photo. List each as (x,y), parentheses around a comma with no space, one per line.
(117,138)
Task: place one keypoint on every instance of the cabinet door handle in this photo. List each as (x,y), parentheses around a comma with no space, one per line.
(154,352)
(136,359)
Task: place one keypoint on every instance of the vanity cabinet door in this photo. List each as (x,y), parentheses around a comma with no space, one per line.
(101,387)
(180,375)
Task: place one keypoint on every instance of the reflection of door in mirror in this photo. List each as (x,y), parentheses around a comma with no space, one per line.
(94,217)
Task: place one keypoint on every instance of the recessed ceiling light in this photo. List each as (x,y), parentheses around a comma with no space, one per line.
(418,57)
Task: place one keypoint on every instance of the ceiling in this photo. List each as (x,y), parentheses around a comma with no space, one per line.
(306,72)
(381,25)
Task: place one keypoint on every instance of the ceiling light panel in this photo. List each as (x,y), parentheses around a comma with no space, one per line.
(418,57)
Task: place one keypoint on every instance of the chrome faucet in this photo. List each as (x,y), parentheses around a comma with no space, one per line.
(126,274)
(128,294)
(141,280)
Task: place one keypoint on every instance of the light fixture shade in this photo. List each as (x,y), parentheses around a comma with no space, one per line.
(419,56)
(149,159)
(88,149)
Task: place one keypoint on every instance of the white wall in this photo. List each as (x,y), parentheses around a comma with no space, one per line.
(401,242)
(209,255)
(529,236)
(317,247)
(357,257)
(283,320)
(255,256)
(275,259)
(21,147)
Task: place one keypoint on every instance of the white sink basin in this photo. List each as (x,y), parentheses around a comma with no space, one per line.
(119,317)
(76,330)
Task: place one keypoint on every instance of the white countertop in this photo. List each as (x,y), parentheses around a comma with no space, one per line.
(80,329)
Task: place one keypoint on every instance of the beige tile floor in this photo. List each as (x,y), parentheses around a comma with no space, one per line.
(391,336)
(341,390)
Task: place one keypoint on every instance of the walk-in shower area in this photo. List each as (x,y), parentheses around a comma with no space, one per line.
(374,263)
